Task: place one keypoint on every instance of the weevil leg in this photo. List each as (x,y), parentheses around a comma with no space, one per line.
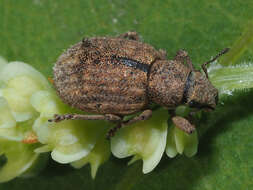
(146,114)
(108,117)
(182,56)
(113,130)
(183,124)
(130,35)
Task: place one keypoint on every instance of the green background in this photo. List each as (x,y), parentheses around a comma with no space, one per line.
(37,32)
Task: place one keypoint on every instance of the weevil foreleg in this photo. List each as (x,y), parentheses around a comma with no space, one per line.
(130,35)
(183,124)
(146,114)
(108,117)
(182,56)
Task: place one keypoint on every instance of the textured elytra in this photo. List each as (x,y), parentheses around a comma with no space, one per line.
(106,75)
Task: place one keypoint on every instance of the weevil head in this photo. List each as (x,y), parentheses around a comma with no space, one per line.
(200,93)
(172,83)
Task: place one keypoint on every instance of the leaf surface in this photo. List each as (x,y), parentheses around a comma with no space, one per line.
(37,32)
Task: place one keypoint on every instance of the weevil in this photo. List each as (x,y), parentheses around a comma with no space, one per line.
(117,76)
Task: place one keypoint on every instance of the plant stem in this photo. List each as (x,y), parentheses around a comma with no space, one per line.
(239,47)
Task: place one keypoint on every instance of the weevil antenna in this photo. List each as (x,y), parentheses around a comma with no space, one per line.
(212,60)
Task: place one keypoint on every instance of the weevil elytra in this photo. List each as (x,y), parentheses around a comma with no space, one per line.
(117,76)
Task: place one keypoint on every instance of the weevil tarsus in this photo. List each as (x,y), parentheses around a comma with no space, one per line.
(113,130)
(145,115)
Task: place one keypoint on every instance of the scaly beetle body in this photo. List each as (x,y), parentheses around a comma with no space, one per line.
(114,77)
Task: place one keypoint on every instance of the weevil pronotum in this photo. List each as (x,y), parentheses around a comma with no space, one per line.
(117,76)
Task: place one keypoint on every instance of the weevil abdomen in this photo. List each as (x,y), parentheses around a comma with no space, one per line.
(105,75)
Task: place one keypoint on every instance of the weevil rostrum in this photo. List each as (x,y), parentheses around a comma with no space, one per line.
(117,76)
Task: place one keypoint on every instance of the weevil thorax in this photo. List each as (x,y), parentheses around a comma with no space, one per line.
(199,92)
(167,81)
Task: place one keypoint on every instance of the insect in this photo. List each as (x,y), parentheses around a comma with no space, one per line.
(117,76)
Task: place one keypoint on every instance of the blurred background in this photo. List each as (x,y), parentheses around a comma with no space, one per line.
(38,31)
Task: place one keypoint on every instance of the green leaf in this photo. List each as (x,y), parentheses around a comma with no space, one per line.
(37,32)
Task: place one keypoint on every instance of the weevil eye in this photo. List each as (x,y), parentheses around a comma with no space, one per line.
(194,104)
(191,103)
(216,99)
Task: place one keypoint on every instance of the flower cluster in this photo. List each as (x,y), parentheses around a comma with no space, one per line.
(27,101)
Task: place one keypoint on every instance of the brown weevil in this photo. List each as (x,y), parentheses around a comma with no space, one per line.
(118,76)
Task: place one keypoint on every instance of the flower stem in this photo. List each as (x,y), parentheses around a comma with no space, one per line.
(239,47)
(230,78)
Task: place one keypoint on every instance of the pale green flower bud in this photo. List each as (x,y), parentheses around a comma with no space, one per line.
(99,154)
(180,142)
(144,140)
(69,140)
(15,167)
(21,81)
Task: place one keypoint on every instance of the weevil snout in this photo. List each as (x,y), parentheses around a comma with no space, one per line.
(202,94)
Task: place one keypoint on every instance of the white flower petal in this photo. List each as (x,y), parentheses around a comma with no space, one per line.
(47,103)
(134,159)
(99,154)
(17,69)
(179,140)
(40,126)
(43,149)
(191,144)
(171,149)
(6,118)
(151,161)
(20,106)
(64,155)
(11,134)
(146,139)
